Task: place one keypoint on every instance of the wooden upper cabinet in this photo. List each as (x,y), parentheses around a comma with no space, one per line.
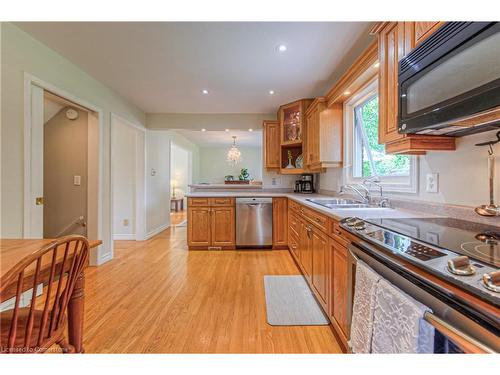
(324,137)
(223,227)
(395,40)
(272,144)
(293,136)
(280,222)
(291,118)
(418,31)
(391,49)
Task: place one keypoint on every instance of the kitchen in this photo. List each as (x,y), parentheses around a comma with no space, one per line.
(346,203)
(409,242)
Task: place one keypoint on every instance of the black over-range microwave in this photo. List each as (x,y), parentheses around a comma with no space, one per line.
(450,84)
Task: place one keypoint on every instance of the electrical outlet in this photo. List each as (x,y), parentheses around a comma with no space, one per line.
(125,222)
(432,185)
(275,181)
(77,180)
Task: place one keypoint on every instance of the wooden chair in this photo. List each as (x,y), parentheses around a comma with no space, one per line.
(43,322)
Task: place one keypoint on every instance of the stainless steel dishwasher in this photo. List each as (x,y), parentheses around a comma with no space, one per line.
(254,222)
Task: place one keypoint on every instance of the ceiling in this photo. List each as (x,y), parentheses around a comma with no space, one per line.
(222,138)
(162,67)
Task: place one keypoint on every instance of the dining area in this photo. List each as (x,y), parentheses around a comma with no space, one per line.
(42,294)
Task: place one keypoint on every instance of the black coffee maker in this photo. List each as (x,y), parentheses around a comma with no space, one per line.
(305,184)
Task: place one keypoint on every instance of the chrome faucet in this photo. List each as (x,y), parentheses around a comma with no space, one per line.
(364,192)
(356,188)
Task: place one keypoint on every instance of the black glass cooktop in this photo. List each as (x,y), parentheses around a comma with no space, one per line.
(477,241)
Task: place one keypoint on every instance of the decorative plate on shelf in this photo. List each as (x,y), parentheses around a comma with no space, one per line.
(299,162)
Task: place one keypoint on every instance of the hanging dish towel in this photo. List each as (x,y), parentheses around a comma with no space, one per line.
(399,325)
(363,308)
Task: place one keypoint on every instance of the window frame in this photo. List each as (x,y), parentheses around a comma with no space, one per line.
(393,184)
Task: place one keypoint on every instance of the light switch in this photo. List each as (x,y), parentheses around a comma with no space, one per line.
(77,180)
(432,185)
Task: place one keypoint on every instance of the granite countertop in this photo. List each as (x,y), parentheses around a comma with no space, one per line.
(337,214)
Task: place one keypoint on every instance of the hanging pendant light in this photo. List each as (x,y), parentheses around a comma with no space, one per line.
(234,155)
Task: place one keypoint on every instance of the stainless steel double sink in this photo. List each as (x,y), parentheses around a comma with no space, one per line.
(339,203)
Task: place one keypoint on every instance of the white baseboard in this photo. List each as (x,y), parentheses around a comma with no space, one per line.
(124,237)
(104,259)
(154,232)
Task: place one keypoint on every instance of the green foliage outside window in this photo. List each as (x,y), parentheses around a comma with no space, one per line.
(385,165)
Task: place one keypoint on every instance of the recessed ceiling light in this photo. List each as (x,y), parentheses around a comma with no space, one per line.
(250,130)
(204,92)
(347,92)
(203,130)
(282,48)
(227,130)
(271,92)
(376,65)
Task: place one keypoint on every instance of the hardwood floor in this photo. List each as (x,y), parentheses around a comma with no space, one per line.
(177,218)
(158,297)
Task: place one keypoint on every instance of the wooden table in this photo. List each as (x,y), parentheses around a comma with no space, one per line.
(13,250)
(177,202)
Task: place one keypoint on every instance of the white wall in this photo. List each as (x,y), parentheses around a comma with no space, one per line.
(180,169)
(463,174)
(124,154)
(213,164)
(21,53)
(209,121)
(193,150)
(157,181)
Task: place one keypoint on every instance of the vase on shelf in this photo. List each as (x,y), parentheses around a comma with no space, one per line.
(290,164)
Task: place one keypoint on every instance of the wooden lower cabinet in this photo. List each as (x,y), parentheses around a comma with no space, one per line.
(320,250)
(223,227)
(199,226)
(305,249)
(280,222)
(320,266)
(339,301)
(212,225)
(293,244)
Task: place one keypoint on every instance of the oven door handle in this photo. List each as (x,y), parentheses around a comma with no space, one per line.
(461,339)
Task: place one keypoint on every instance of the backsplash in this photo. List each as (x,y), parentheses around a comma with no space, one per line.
(463,174)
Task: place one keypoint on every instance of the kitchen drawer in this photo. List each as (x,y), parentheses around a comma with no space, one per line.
(294,206)
(198,202)
(223,201)
(337,233)
(293,244)
(321,221)
(293,223)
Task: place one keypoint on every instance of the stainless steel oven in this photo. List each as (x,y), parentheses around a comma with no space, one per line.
(455,331)
(450,84)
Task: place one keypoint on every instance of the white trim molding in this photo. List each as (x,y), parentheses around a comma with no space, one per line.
(104,252)
(140,180)
(156,231)
(391,184)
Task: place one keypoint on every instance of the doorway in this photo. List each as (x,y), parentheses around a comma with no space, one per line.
(81,181)
(180,179)
(65,169)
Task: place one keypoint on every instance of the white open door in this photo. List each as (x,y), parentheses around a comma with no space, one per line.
(34,212)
